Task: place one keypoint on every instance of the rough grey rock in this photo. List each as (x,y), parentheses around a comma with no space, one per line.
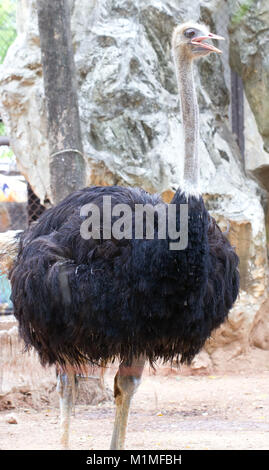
(249,47)
(249,30)
(130,118)
(255,155)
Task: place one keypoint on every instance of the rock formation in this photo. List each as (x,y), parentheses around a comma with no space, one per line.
(249,57)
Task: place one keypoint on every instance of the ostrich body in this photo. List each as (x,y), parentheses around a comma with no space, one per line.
(93,300)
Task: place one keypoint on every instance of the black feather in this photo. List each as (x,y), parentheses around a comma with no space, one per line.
(82,300)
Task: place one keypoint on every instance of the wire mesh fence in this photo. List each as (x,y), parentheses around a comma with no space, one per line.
(34,206)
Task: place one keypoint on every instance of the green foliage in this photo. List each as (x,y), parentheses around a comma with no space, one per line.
(241,12)
(7,26)
(2,128)
(6,153)
(7,35)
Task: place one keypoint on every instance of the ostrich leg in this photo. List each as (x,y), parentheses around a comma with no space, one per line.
(66,388)
(126,382)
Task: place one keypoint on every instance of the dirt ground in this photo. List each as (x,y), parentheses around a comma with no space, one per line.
(169,411)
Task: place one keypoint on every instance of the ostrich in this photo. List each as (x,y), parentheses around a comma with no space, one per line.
(82,300)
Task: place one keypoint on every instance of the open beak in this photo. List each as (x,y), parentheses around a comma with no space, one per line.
(198,41)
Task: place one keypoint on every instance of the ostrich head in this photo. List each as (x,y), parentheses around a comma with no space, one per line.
(188,39)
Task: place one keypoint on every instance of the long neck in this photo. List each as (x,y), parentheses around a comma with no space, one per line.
(190,118)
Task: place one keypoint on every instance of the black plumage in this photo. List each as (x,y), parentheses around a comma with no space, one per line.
(82,300)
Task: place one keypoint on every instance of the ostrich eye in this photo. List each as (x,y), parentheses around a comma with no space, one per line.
(189,33)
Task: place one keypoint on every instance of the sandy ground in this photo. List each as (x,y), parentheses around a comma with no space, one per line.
(168,412)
